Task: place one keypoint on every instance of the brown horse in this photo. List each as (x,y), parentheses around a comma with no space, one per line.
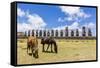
(32,44)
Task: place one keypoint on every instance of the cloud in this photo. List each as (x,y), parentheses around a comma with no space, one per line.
(36,21)
(60,27)
(65,19)
(69,18)
(74,25)
(90,25)
(73,13)
(83,14)
(23,27)
(33,21)
(20,13)
(69,10)
(60,19)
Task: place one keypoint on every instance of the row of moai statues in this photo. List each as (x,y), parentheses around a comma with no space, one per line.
(57,33)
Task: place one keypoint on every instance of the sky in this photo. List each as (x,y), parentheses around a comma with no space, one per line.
(33,16)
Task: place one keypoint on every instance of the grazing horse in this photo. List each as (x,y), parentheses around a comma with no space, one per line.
(49,41)
(32,44)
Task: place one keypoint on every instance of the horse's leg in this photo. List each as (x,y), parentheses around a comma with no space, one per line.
(36,54)
(51,48)
(27,49)
(43,48)
(33,53)
(48,47)
(55,48)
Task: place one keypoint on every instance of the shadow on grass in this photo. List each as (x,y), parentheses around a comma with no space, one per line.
(49,52)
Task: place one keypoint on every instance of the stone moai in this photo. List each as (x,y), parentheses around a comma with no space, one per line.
(72,33)
(83,31)
(36,33)
(40,33)
(32,32)
(66,31)
(61,33)
(77,32)
(56,33)
(25,34)
(28,32)
(89,32)
(52,33)
(48,33)
(44,33)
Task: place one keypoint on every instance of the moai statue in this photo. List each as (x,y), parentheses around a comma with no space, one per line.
(44,34)
(28,32)
(32,32)
(52,33)
(72,33)
(36,33)
(25,34)
(66,31)
(61,33)
(48,33)
(77,32)
(89,32)
(40,33)
(56,33)
(83,31)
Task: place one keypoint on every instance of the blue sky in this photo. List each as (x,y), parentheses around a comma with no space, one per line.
(33,16)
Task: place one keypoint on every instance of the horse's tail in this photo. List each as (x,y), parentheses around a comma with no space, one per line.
(55,47)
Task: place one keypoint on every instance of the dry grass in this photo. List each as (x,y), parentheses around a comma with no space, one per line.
(68,50)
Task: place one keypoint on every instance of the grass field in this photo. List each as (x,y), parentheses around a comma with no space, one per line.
(68,50)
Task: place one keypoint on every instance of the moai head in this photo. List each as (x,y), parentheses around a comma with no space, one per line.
(48,33)
(89,32)
(72,33)
(36,33)
(83,31)
(61,33)
(44,33)
(52,32)
(77,32)
(66,31)
(25,34)
(56,33)
(40,33)
(32,32)
(28,32)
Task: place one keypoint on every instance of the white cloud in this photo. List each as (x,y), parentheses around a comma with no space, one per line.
(70,10)
(74,13)
(34,21)
(69,18)
(90,25)
(74,25)
(20,12)
(83,14)
(23,27)
(65,19)
(60,19)
(60,27)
